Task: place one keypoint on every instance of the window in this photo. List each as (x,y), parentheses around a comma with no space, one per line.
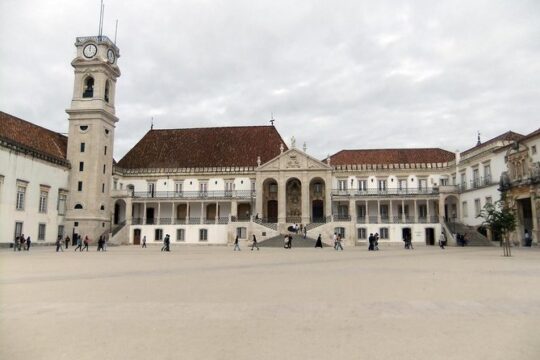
(340,231)
(79,186)
(384,211)
(61,231)
(105,150)
(102,187)
(21,194)
(422,184)
(464,209)
(78,206)
(18,229)
(102,208)
(477,207)
(180,234)
(444,182)
(106,97)
(362,233)
(342,185)
(83,145)
(203,188)
(463,180)
(422,211)
(400,210)
(229,187)
(317,188)
(203,235)
(158,234)
(361,211)
(43,197)
(533,150)
(104,168)
(487,174)
(41,232)
(402,184)
(362,185)
(81,166)
(83,128)
(454,179)
(151,189)
(252,185)
(88,87)
(241,232)
(178,187)
(384,233)
(62,198)
(476,177)
(382,185)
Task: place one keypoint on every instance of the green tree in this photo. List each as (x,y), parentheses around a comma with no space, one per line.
(500,219)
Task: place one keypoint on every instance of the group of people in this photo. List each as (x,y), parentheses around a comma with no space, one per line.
(373,242)
(22,243)
(254,243)
(407,239)
(337,241)
(166,243)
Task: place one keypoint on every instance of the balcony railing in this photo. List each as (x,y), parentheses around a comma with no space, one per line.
(396,220)
(183,221)
(195,195)
(477,183)
(386,192)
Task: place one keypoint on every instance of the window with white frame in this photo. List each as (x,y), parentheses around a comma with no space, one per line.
(21,195)
(158,234)
(229,187)
(203,188)
(476,177)
(477,207)
(487,173)
(361,211)
(382,185)
(362,233)
(422,184)
(340,231)
(384,233)
(241,232)
(151,186)
(43,198)
(463,180)
(178,187)
(384,211)
(362,185)
(180,235)
(252,185)
(41,232)
(464,209)
(342,184)
(18,228)
(422,211)
(444,181)
(203,235)
(402,184)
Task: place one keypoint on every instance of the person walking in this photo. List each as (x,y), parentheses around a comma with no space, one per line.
(376,242)
(442,240)
(286,241)
(164,247)
(305,232)
(100,243)
(236,246)
(144,241)
(167,243)
(318,243)
(254,243)
(104,245)
(290,241)
(79,243)
(371,240)
(15,243)
(527,238)
(85,242)
(59,243)
(338,243)
(67,241)
(334,238)
(28,243)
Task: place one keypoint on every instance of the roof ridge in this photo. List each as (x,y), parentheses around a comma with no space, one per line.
(214,127)
(31,123)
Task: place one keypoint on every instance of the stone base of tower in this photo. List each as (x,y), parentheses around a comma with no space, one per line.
(91,228)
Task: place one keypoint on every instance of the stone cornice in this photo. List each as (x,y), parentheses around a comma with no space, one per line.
(25,150)
(247,170)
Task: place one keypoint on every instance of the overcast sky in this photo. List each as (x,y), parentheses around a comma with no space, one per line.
(335,74)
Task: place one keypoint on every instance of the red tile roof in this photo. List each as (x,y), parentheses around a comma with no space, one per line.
(391,156)
(507,136)
(33,137)
(204,147)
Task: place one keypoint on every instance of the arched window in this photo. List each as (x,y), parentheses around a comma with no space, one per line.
(88,87)
(107,91)
(78,206)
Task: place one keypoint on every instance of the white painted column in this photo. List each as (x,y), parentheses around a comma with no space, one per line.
(173,217)
(187,212)
(415,212)
(282,209)
(305,200)
(144,214)
(391,212)
(217,212)
(203,214)
(428,211)
(158,212)
(378,211)
(403,211)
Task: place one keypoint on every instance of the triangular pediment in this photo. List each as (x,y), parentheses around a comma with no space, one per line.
(293,159)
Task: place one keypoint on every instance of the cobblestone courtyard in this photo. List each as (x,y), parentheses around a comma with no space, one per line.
(213,303)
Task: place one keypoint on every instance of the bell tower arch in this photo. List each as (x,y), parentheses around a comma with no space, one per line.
(92,121)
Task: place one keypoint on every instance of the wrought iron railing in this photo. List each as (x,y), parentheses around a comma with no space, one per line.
(214,194)
(386,192)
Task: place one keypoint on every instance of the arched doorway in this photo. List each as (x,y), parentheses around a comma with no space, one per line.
(317,193)
(294,201)
(119,212)
(451,209)
(270,200)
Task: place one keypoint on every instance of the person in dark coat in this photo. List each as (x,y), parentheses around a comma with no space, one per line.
(100,244)
(236,246)
(67,241)
(371,240)
(79,243)
(318,243)
(28,243)
(86,241)
(59,244)
(254,243)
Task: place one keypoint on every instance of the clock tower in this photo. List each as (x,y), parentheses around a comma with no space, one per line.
(92,122)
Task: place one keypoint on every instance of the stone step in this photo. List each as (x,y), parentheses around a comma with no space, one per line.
(298,241)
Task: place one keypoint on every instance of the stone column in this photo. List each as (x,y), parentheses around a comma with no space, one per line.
(403,211)
(282,199)
(145,220)
(172,213)
(129,211)
(203,215)
(428,211)
(259,191)
(328,194)
(234,208)
(415,212)
(352,210)
(187,212)
(378,211)
(305,200)
(217,213)
(158,212)
(535,230)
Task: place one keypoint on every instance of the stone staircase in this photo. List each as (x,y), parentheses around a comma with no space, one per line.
(473,237)
(298,241)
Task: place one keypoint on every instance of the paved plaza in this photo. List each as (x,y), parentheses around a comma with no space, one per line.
(213,303)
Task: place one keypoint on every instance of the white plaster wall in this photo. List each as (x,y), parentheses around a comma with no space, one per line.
(37,172)
(217,234)
(470,196)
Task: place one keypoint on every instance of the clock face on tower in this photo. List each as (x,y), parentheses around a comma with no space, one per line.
(111,56)
(90,50)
